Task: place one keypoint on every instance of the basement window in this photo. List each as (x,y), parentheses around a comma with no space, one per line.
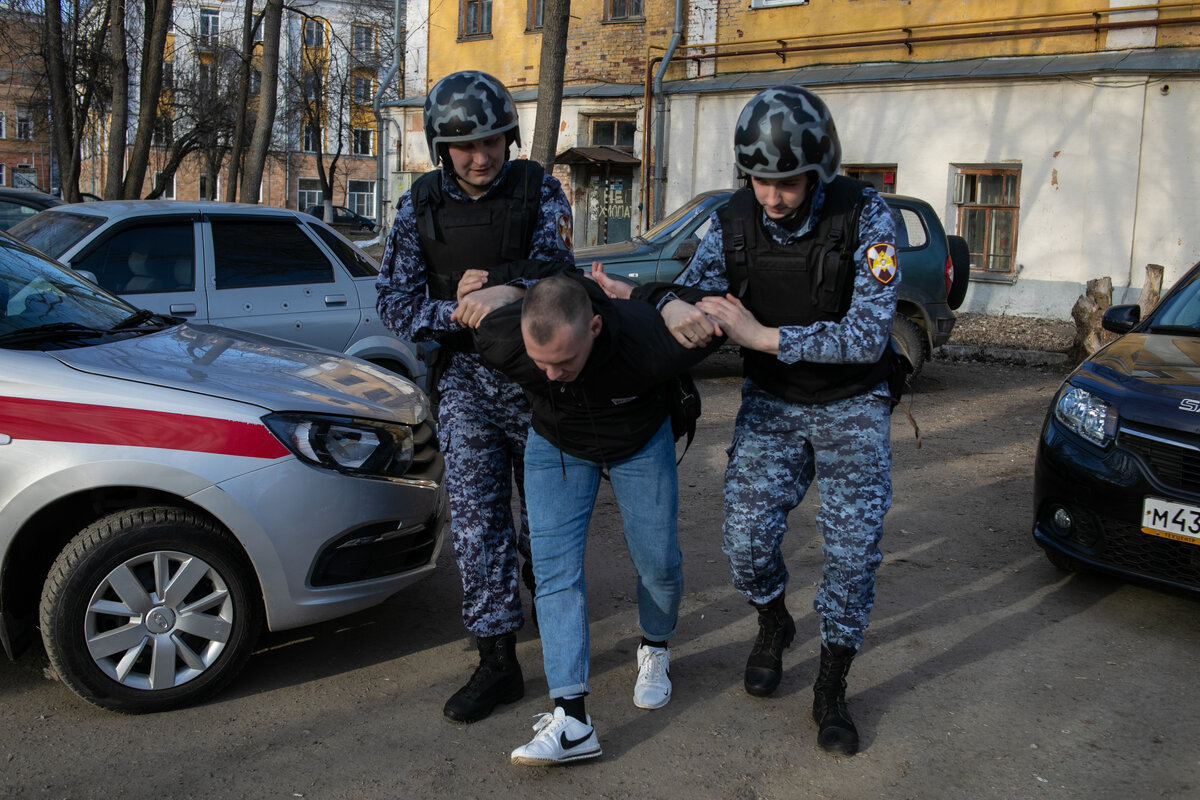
(988,201)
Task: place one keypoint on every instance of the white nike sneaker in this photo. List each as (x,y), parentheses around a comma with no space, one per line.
(560,738)
(653,687)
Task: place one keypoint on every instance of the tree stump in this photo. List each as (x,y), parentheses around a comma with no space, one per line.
(1088,313)
(1151,289)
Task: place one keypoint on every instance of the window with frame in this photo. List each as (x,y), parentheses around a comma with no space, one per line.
(204,192)
(169,188)
(312,138)
(535,15)
(314,33)
(988,201)
(24,124)
(3,125)
(363,137)
(210,26)
(163,132)
(310,85)
(168,76)
(615,132)
(363,40)
(309,193)
(3,175)
(623,10)
(360,197)
(24,177)
(255,87)
(362,89)
(881,176)
(474,18)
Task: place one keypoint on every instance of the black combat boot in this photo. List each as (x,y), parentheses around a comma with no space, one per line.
(497,680)
(836,732)
(776,630)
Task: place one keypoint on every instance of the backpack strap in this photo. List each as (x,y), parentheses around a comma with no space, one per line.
(739,226)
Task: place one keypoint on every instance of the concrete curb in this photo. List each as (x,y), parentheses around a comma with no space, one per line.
(1031,358)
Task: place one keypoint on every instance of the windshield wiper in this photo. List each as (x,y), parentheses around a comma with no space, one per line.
(1186,330)
(143,315)
(55,331)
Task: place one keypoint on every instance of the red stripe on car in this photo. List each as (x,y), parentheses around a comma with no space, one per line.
(50,421)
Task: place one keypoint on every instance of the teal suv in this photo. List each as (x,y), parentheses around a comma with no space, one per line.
(935,267)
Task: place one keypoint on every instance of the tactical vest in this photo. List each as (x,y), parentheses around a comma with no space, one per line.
(456,236)
(811,280)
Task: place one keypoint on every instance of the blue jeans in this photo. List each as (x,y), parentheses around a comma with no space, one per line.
(560,492)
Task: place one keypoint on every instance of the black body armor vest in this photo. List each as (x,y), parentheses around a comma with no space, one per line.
(809,281)
(457,236)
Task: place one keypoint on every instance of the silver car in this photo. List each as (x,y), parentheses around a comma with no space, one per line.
(255,268)
(167,489)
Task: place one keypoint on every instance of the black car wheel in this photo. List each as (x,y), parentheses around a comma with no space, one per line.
(150,609)
(960,261)
(910,341)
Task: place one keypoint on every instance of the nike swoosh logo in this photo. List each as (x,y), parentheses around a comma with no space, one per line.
(567,744)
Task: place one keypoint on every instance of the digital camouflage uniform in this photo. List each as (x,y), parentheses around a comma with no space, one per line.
(779,447)
(483,417)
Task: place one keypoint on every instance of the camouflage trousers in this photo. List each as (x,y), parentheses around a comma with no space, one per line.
(777,450)
(482,432)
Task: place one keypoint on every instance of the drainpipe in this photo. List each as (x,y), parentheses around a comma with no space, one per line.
(660,109)
(381,192)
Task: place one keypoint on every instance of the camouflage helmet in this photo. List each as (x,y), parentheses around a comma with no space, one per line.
(469,105)
(784,131)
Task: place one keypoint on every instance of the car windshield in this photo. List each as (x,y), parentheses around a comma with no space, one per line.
(40,300)
(55,232)
(682,216)
(1180,312)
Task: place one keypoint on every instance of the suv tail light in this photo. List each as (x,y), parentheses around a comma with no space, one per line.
(949,274)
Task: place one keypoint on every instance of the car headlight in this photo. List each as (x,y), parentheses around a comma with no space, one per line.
(355,446)
(1087,415)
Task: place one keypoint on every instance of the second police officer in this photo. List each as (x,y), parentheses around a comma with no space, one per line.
(477,220)
(808,262)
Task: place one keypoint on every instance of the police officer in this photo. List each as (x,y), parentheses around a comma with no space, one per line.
(465,238)
(808,264)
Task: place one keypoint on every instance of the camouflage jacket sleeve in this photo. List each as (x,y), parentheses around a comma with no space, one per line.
(403,304)
(861,335)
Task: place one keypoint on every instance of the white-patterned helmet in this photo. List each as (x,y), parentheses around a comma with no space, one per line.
(784,131)
(469,105)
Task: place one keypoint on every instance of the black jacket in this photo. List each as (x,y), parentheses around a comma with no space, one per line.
(619,400)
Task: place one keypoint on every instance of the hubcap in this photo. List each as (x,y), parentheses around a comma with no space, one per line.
(158,620)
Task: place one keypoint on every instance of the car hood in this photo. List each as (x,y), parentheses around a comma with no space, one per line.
(616,250)
(244,367)
(1150,376)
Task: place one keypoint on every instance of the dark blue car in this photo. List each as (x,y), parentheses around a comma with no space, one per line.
(1117,480)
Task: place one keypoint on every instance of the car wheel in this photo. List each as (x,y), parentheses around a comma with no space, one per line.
(150,609)
(960,262)
(910,341)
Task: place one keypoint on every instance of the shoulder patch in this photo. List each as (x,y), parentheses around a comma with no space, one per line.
(882,260)
(564,231)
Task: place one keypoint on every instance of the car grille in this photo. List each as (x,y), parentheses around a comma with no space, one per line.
(1128,548)
(427,459)
(1171,458)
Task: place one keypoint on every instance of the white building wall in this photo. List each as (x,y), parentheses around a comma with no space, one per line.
(1107,170)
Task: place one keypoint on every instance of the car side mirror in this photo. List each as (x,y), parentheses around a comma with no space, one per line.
(1121,319)
(687,248)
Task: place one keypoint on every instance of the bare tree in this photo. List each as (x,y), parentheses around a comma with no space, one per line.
(264,122)
(118,119)
(157,22)
(250,23)
(553,61)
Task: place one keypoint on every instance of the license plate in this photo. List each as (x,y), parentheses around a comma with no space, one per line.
(1171,520)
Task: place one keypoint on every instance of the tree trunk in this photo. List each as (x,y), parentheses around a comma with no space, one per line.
(158,22)
(118,119)
(550,82)
(256,157)
(1088,314)
(62,109)
(239,125)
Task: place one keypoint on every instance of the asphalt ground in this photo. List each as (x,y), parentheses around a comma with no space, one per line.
(986,673)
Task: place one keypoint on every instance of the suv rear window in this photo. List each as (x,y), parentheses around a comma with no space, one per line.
(55,232)
(265,252)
